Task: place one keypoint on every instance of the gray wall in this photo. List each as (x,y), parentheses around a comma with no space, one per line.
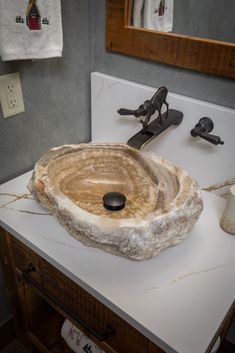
(57,93)
(57,101)
(212,19)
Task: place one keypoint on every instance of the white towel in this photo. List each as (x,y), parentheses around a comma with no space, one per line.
(155,14)
(30,29)
(138,7)
(158,15)
(77,341)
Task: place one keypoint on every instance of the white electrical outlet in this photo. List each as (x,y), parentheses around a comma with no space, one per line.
(11,95)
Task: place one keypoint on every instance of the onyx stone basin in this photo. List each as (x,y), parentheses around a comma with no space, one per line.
(162,201)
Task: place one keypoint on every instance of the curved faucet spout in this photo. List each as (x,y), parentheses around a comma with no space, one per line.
(152,129)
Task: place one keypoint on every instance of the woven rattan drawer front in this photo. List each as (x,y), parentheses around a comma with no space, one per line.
(83,305)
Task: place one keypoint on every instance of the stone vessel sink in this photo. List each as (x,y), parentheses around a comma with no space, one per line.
(162,201)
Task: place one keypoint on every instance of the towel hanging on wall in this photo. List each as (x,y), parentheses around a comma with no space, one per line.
(153,14)
(30,29)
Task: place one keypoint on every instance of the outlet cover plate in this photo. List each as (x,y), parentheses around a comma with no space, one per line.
(11,96)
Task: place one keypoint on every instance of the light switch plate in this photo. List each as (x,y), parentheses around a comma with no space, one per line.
(11,96)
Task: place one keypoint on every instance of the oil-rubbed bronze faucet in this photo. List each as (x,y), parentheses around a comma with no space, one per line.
(159,124)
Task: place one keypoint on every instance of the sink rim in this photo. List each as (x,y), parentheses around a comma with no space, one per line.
(122,222)
(135,238)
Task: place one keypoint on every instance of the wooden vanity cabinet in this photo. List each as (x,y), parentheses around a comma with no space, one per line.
(154,349)
(42,297)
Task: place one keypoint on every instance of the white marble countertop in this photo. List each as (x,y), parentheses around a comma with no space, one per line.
(177,299)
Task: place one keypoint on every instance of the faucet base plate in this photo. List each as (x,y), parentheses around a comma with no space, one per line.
(155,128)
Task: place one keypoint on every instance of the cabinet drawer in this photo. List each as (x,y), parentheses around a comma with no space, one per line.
(76,302)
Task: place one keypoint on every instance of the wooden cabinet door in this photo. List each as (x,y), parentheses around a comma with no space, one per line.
(154,349)
(74,303)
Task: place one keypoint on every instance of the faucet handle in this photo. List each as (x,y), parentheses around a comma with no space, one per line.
(149,107)
(202,129)
(123,111)
(216,140)
(204,125)
(141,111)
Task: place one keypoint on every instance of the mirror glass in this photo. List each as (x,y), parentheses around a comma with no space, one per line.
(211,19)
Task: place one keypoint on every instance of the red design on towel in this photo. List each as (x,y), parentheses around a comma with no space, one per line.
(161,8)
(33,17)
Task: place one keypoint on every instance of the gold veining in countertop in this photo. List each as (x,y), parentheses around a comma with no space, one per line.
(221,189)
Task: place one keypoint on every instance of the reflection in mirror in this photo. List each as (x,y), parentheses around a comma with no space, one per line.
(216,57)
(212,19)
(153,14)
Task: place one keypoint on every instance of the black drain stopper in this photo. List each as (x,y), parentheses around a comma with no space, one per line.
(114,201)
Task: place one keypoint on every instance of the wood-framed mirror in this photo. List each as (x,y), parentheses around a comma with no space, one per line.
(203,55)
